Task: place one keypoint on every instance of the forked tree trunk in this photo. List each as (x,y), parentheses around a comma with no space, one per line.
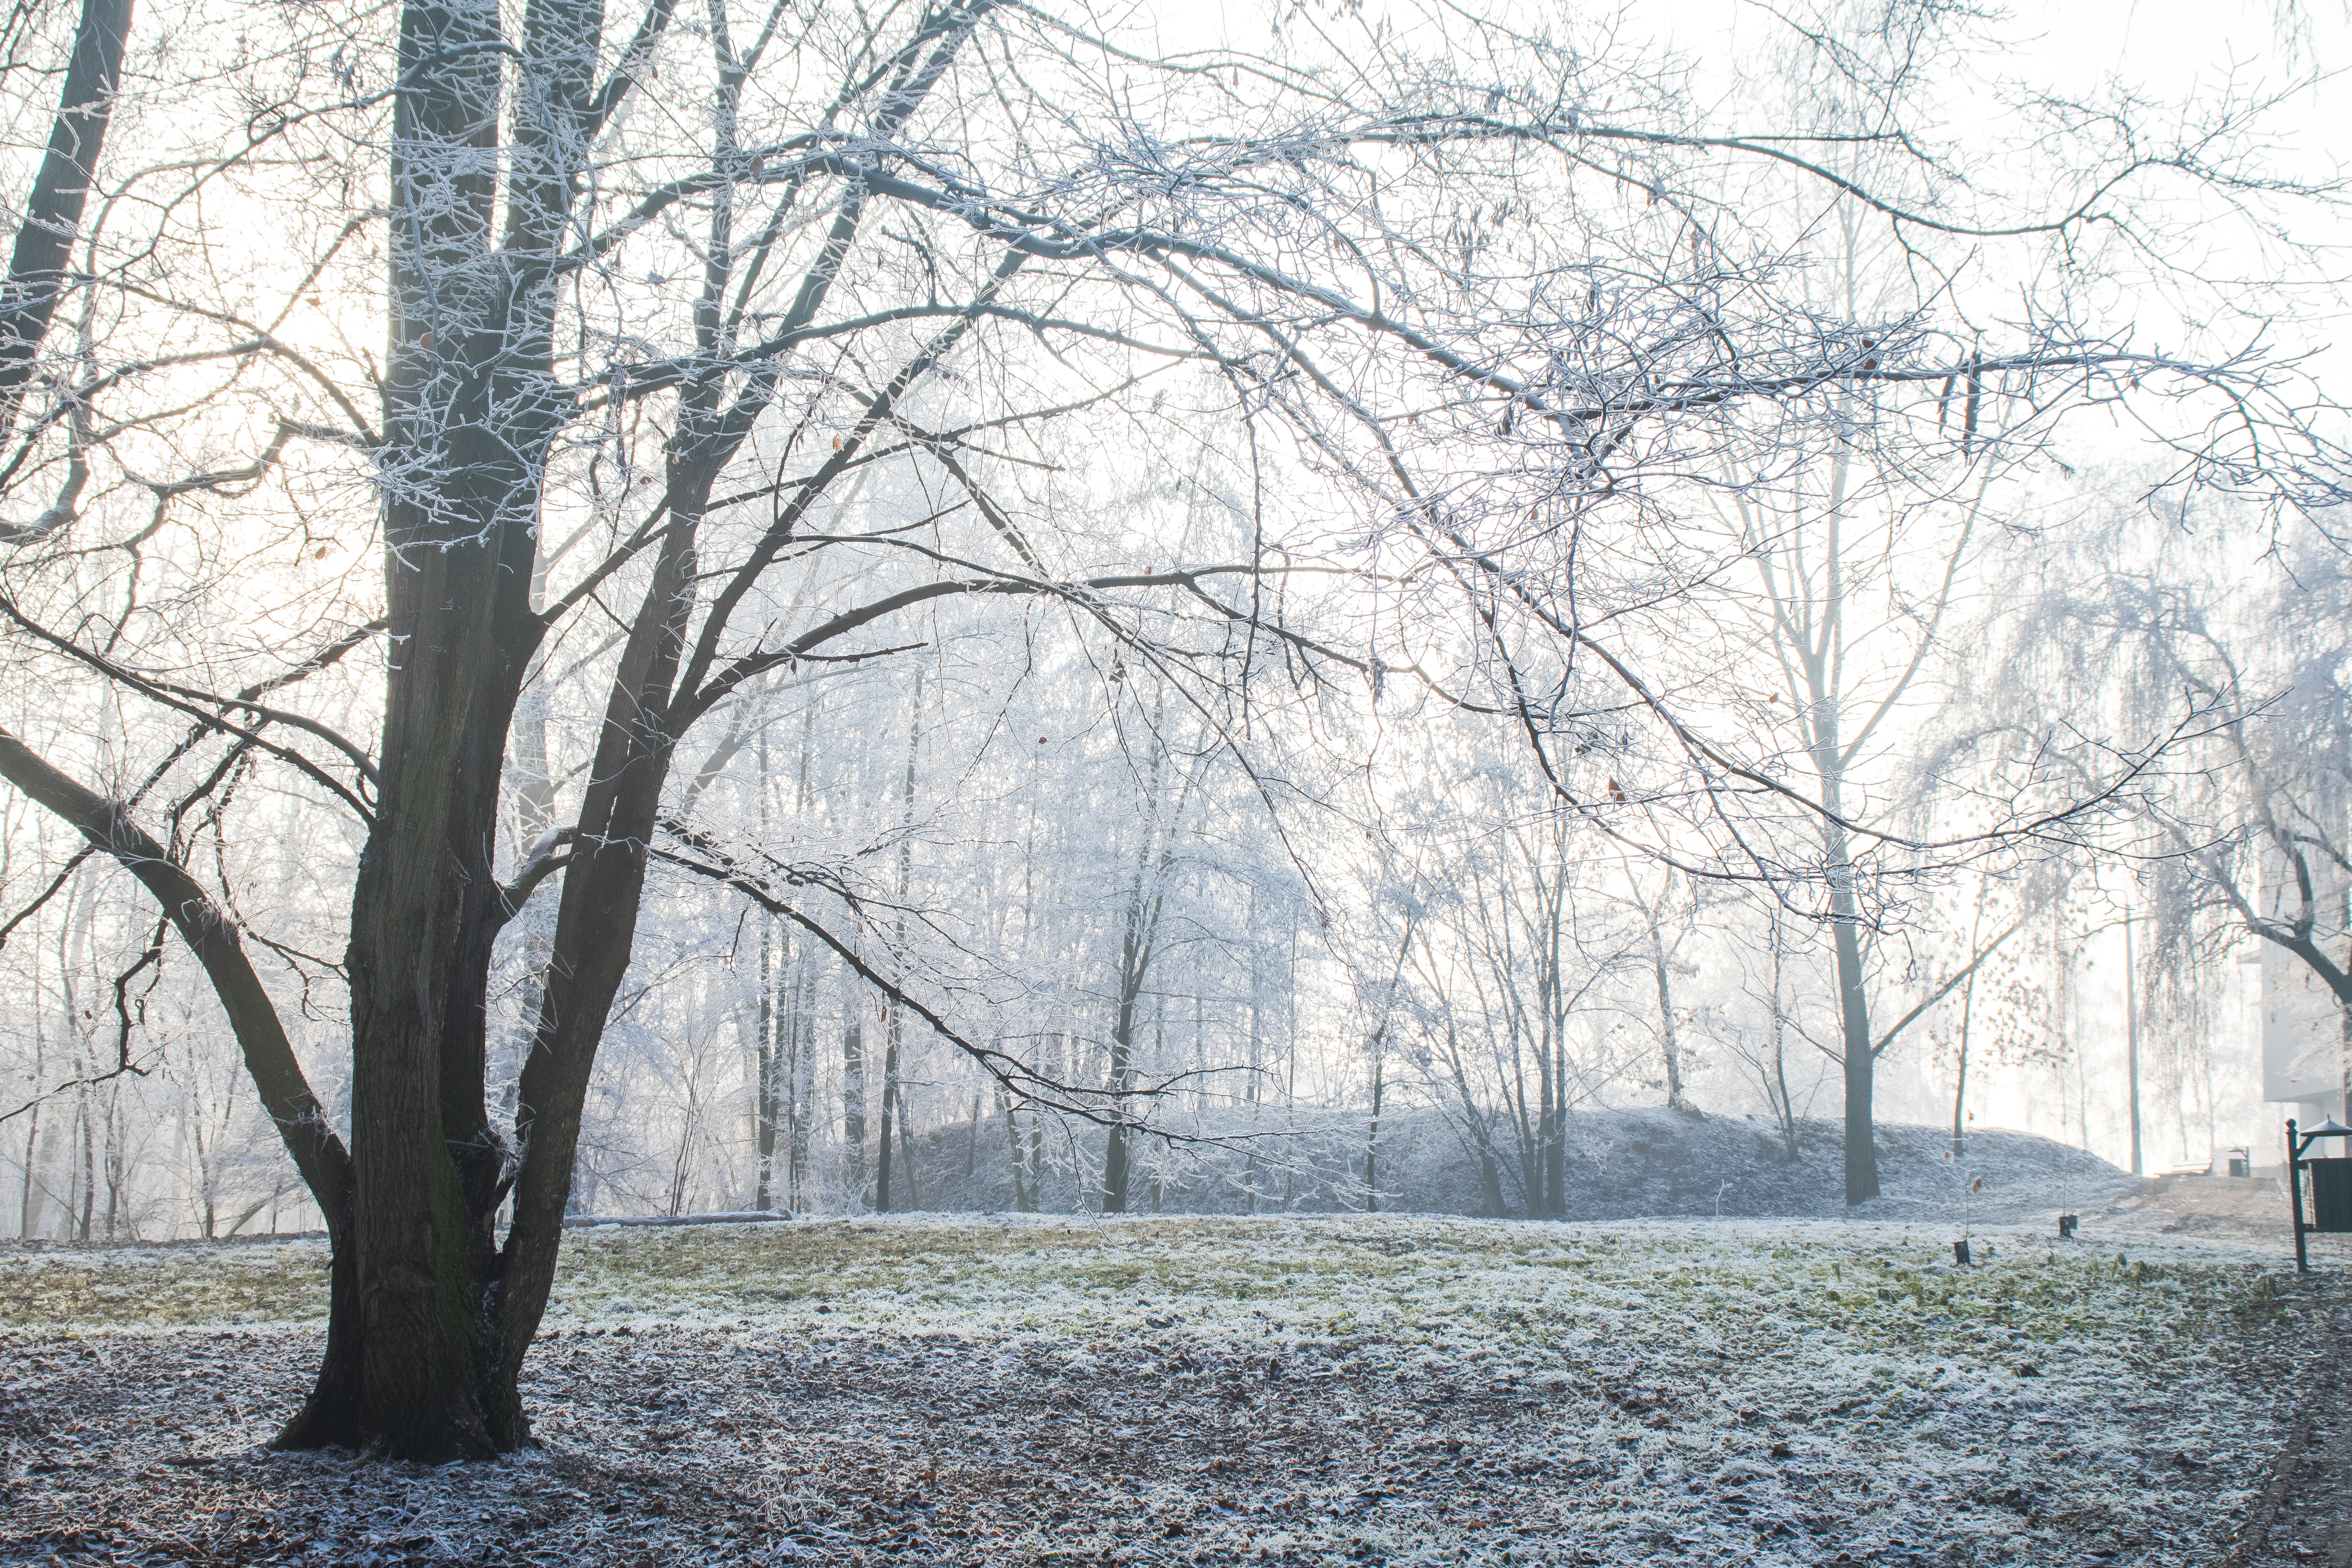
(444,1315)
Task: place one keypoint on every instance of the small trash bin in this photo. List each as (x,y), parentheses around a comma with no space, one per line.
(2331,1194)
(2242,1162)
(2331,1184)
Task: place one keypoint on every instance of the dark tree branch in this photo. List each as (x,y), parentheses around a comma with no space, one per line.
(302,1123)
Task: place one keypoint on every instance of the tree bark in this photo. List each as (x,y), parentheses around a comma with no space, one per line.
(37,271)
(1861,1060)
(765,1067)
(1023,1202)
(853,1105)
(884,1151)
(1668,1041)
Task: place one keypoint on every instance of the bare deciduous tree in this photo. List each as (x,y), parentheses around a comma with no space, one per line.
(670,402)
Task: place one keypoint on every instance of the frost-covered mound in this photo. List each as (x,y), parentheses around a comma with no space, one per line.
(1616,1164)
(1217,1391)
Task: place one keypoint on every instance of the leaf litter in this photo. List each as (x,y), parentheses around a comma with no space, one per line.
(1286,1389)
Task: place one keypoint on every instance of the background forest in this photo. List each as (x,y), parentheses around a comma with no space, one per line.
(1439,637)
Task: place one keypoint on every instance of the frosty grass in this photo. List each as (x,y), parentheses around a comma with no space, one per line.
(1756,1391)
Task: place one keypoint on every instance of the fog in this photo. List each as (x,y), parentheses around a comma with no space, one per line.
(699,624)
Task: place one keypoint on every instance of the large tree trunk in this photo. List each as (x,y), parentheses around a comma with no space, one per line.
(429,1170)
(463,1311)
(469,412)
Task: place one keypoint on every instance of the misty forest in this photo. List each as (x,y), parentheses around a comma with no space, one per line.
(993,781)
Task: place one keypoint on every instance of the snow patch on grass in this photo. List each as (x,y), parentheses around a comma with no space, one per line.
(1637,1391)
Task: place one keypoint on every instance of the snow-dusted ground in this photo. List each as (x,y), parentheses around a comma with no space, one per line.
(1291,1390)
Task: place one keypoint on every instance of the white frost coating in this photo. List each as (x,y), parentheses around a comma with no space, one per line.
(1765,1391)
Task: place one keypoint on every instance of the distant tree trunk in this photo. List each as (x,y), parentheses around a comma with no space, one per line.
(1490,1185)
(39,1194)
(1378,1050)
(1023,1202)
(853,1103)
(803,1100)
(764,1071)
(804,981)
(2131,1035)
(1861,1061)
(1530,1134)
(207,1190)
(1859,1057)
(1669,1041)
(1474,1118)
(1555,1153)
(890,1094)
(1115,1162)
(890,1015)
(1115,1171)
(32,1197)
(906,1148)
(766,1068)
(1776,1086)
(1139,933)
(85,1181)
(1036,1165)
(1551,1044)
(1960,1078)
(1805,579)
(1548,1128)
(682,1167)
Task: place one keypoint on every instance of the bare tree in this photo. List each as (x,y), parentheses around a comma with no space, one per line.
(850,327)
(2222,626)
